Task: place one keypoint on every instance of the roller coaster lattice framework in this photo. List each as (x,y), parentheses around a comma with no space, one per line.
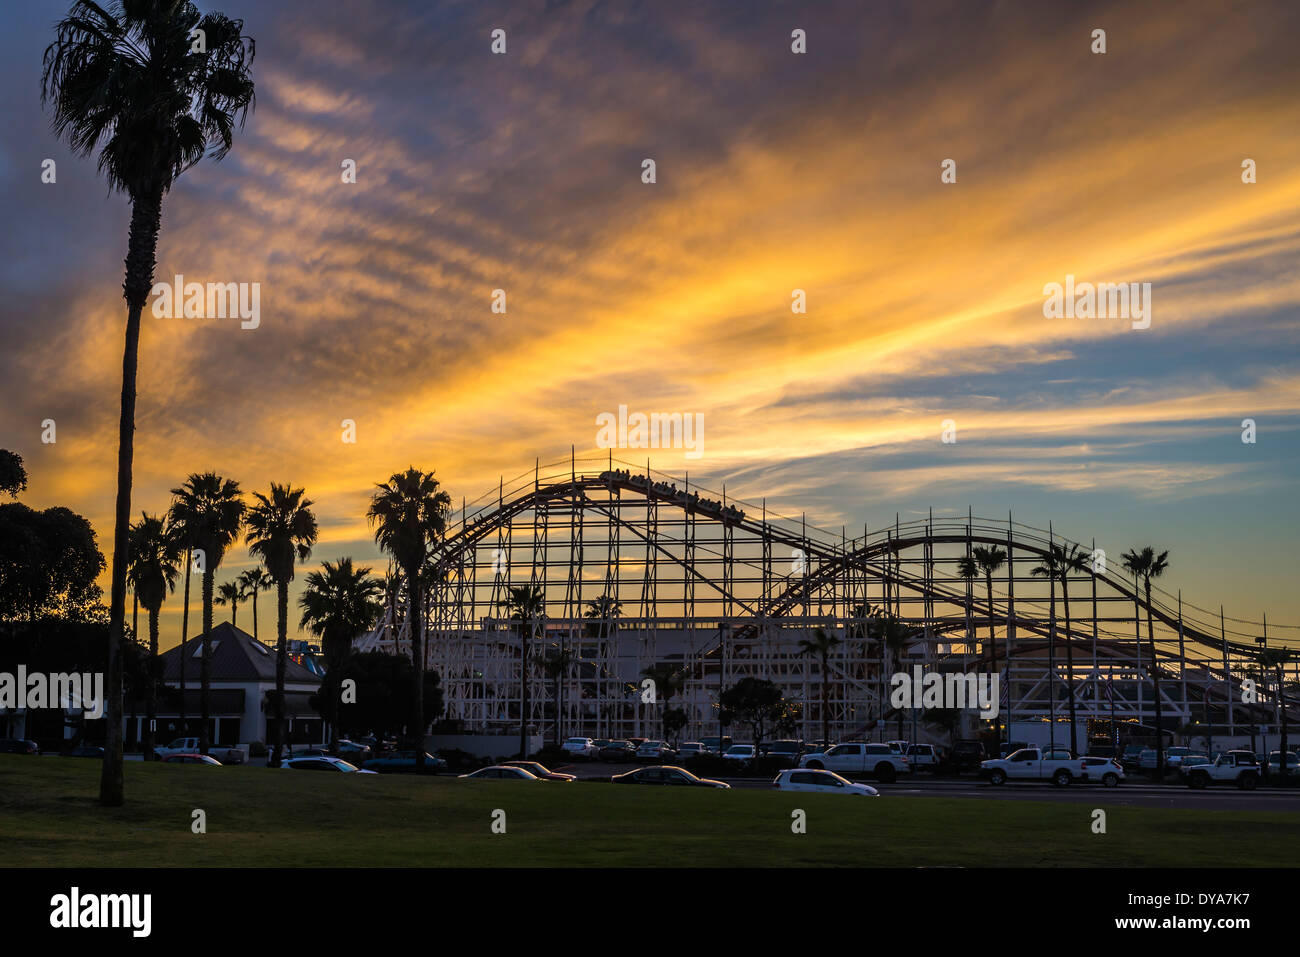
(718,590)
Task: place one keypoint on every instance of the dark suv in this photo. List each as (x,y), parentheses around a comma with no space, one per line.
(967,755)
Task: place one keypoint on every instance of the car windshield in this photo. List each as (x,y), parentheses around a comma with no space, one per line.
(651,744)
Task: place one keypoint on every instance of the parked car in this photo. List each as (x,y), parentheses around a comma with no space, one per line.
(18,746)
(926,757)
(191,759)
(878,760)
(666,775)
(1011,747)
(403,762)
(1174,757)
(1132,757)
(1106,770)
(1032,764)
(85,751)
(898,747)
(323,762)
(820,782)
(617,751)
(740,754)
(1193,761)
(1237,767)
(692,749)
(353,751)
(1275,764)
(502,772)
(657,751)
(715,746)
(784,751)
(968,755)
(579,747)
(190,745)
(540,771)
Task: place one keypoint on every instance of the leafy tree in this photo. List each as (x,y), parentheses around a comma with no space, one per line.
(13,477)
(49,563)
(758,704)
(384,692)
(126,78)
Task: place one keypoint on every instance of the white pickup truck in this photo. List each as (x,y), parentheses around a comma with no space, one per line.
(1236,767)
(1031,764)
(879,760)
(223,754)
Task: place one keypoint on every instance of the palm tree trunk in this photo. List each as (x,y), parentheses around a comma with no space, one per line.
(1069,666)
(205,663)
(185,630)
(281,661)
(993,656)
(523,690)
(1051,664)
(142,241)
(826,718)
(151,691)
(1155,686)
(417,662)
(255,590)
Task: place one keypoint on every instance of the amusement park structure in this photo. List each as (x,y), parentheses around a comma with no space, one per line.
(639,571)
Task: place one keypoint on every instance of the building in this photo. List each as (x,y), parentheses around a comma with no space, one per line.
(242,682)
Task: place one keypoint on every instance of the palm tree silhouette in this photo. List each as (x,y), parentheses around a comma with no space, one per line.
(229,593)
(338,603)
(126,78)
(252,581)
(990,559)
(1060,563)
(555,664)
(281,530)
(408,513)
(1145,564)
(1275,659)
(155,557)
(212,512)
(822,645)
(526,605)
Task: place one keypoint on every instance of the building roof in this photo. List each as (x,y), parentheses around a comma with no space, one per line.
(236,657)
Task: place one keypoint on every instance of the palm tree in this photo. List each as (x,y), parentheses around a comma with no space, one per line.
(1049,569)
(555,664)
(990,559)
(603,612)
(969,569)
(251,582)
(822,645)
(526,605)
(338,603)
(229,593)
(125,78)
(212,512)
(409,514)
(667,682)
(155,557)
(1145,564)
(176,521)
(281,528)
(1061,562)
(1276,658)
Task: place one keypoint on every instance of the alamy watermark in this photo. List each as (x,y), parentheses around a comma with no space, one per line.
(1103,300)
(214,300)
(24,691)
(657,430)
(922,690)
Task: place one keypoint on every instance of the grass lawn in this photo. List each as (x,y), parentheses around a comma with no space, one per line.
(258,816)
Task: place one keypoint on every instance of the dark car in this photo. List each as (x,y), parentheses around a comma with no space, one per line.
(784,753)
(967,755)
(1131,759)
(541,771)
(403,762)
(18,746)
(617,751)
(668,775)
(85,751)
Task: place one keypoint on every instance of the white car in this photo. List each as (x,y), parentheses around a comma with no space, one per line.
(654,751)
(741,753)
(1106,770)
(580,747)
(502,772)
(322,762)
(692,749)
(820,782)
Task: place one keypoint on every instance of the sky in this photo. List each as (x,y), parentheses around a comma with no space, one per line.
(775,171)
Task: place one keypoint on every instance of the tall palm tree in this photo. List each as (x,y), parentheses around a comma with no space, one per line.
(555,664)
(1050,569)
(229,593)
(667,682)
(969,569)
(281,529)
(252,582)
(338,603)
(526,604)
(990,558)
(822,645)
(125,78)
(1145,564)
(1276,659)
(176,521)
(1062,562)
(155,564)
(409,514)
(212,512)
(602,614)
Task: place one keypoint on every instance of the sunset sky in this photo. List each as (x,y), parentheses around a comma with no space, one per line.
(775,171)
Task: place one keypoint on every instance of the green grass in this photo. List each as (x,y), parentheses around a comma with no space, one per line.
(257,816)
